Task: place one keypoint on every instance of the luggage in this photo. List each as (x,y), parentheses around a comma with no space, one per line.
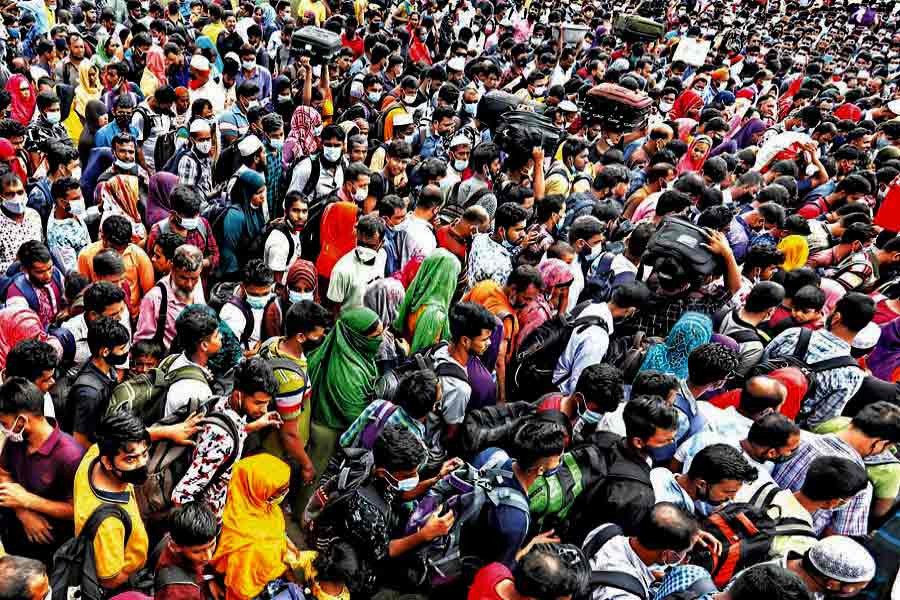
(491,426)
(616,107)
(684,242)
(520,131)
(636,28)
(493,104)
(608,579)
(423,360)
(323,44)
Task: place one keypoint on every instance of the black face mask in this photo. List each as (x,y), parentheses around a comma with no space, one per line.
(310,344)
(134,476)
(116,359)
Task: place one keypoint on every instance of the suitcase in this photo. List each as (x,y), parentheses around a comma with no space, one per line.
(521,131)
(616,107)
(634,28)
(493,104)
(321,43)
(683,241)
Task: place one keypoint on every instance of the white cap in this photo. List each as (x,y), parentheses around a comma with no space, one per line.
(200,126)
(199,62)
(457,63)
(894,106)
(460,140)
(567,106)
(840,558)
(867,337)
(249,146)
(233,56)
(403,118)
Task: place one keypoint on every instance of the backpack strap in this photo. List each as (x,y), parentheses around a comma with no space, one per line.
(802,346)
(763,497)
(173,575)
(241,305)
(449,369)
(475,197)
(599,537)
(100,514)
(377,422)
(161,316)
(833,363)
(315,171)
(620,581)
(794,526)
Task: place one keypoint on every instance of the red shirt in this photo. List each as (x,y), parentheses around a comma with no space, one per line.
(179,591)
(486,580)
(883,313)
(355,45)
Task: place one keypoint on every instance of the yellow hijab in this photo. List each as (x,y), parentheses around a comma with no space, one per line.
(253,545)
(85,92)
(796,252)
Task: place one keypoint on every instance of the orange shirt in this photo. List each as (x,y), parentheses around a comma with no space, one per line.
(138,272)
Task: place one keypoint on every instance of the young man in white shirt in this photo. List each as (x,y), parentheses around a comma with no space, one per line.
(283,243)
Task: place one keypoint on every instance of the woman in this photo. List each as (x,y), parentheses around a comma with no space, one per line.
(337,237)
(300,284)
(555,298)
(109,49)
(208,49)
(161,186)
(423,315)
(154,75)
(244,221)
(693,159)
(384,297)
(253,548)
(119,195)
(88,89)
(303,139)
(689,332)
(23,96)
(687,106)
(95,117)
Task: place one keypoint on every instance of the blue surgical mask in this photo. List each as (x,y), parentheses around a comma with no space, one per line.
(277,144)
(258,302)
(460,165)
(471,108)
(295,296)
(332,153)
(374,97)
(125,165)
(402,485)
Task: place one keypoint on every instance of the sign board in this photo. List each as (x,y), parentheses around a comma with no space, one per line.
(691,51)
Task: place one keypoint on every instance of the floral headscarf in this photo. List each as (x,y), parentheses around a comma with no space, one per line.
(691,331)
(302,140)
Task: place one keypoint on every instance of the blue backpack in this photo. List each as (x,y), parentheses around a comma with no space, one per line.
(20,279)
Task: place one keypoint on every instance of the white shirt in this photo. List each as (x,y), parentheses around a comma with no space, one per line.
(78,326)
(618,555)
(586,347)
(235,318)
(181,392)
(277,253)
(212,91)
(351,277)
(420,240)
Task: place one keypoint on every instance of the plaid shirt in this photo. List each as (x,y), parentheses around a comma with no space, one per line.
(835,387)
(851,519)
(662,312)
(399,417)
(195,171)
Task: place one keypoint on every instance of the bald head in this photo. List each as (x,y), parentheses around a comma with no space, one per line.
(760,394)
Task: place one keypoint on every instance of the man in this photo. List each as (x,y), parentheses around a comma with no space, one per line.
(39,285)
(189,373)
(599,391)
(588,345)
(39,463)
(105,478)
(320,175)
(151,119)
(204,86)
(586,236)
(457,237)
(181,570)
(193,164)
(458,154)
(835,386)
(767,581)
(67,69)
(419,225)
(864,267)
(233,123)
(90,393)
(18,222)
(45,127)
(282,246)
(37,361)
(358,268)
(253,73)
(664,537)
(485,165)
(491,256)
(100,299)
(442,124)
(118,85)
(62,161)
(221,439)
(161,306)
(742,325)
(392,178)
(874,430)
(23,578)
(121,122)
(244,312)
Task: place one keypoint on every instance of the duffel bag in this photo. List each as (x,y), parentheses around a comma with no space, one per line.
(493,104)
(634,27)
(321,43)
(685,242)
(522,130)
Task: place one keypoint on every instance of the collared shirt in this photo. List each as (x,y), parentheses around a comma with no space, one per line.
(834,387)
(66,238)
(148,317)
(105,134)
(13,234)
(233,122)
(852,518)
(489,260)
(212,91)
(618,555)
(666,489)
(586,347)
(195,171)
(261,77)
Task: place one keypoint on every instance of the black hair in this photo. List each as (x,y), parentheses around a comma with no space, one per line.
(18,394)
(117,230)
(108,262)
(772,213)
(768,581)
(370,226)
(398,449)
(169,242)
(632,294)
(672,201)
(772,431)
(584,228)
(18,576)
(720,462)
(256,272)
(654,383)
(716,169)
(253,375)
(62,186)
(185,201)
(104,332)
(30,359)
(525,276)
(508,215)
(417,392)
(643,415)
(147,348)
(856,310)
(193,325)
(483,155)
(667,527)
(879,420)
(762,256)
(798,278)
(763,296)
(470,319)
(774,193)
(710,363)
(537,438)
(551,571)
(32,252)
(809,297)
(193,524)
(117,430)
(303,317)
(715,217)
(102,294)
(833,477)
(602,385)
(339,562)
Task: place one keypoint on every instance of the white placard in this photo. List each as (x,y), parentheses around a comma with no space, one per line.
(691,51)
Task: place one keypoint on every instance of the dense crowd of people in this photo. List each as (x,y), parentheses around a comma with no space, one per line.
(507,299)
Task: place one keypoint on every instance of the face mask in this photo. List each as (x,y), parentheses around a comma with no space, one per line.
(588,416)
(295,297)
(409,99)
(310,345)
(258,302)
(277,144)
(204,147)
(116,359)
(410,139)
(366,255)
(374,97)
(508,244)
(471,108)
(332,153)
(16,204)
(460,165)
(124,165)
(76,173)
(190,223)
(318,130)
(537,41)
(53,117)
(248,65)
(665,107)
(134,476)
(76,207)
(16,437)
(285,98)
(540,91)
(252,104)
(361,194)
(403,485)
(592,252)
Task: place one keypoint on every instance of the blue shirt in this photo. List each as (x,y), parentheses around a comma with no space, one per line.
(106,134)
(233,122)
(260,77)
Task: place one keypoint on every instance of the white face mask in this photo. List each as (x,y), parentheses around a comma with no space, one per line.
(665,107)
(361,194)
(460,165)
(252,104)
(409,99)
(366,255)
(76,207)
(16,204)
(204,147)
(295,297)
(410,139)
(248,65)
(332,153)
(76,173)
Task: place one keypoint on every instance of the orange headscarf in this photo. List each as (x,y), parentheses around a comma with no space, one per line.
(337,235)
(253,546)
(490,295)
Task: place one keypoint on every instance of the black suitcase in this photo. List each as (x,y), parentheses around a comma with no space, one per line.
(521,131)
(321,43)
(493,104)
(685,242)
(636,28)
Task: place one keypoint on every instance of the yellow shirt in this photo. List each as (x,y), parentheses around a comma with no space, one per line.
(316,8)
(112,554)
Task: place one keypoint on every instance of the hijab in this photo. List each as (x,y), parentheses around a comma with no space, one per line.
(688,163)
(205,43)
(93,110)
(302,139)
(687,102)
(154,75)
(21,109)
(248,183)
(427,300)
(160,188)
(85,92)
(8,156)
(342,370)
(302,271)
(555,273)
(743,136)
(252,548)
(337,237)
(796,251)
(384,297)
(123,191)
(689,332)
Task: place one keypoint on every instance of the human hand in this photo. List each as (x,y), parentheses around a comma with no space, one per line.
(37,528)
(307,472)
(710,542)
(437,525)
(718,243)
(182,433)
(537,154)
(450,466)
(270,419)
(13,495)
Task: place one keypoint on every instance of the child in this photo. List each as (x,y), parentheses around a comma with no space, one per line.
(806,310)
(328,575)
(145,355)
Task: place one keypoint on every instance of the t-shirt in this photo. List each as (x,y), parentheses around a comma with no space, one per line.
(234,317)
(666,489)
(183,391)
(456,392)
(351,277)
(277,253)
(484,586)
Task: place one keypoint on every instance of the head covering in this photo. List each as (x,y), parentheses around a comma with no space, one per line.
(688,101)
(17,325)
(248,183)
(200,126)
(302,139)
(251,548)
(724,97)
(554,273)
(848,111)
(842,559)
(92,113)
(743,135)
(337,237)
(123,196)
(681,577)
(342,370)
(161,186)
(21,109)
(302,271)
(725,340)
(688,163)
(796,251)
(85,92)
(885,359)
(249,146)
(156,65)
(384,297)
(690,331)
(205,43)
(8,156)
(427,301)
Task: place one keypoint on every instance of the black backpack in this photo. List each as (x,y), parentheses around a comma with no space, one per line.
(598,284)
(171,165)
(74,570)
(454,207)
(531,372)
(386,385)
(491,426)
(257,245)
(741,336)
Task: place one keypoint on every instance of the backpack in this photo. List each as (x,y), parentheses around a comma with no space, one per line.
(746,533)
(257,246)
(884,546)
(165,227)
(215,213)
(22,282)
(386,385)
(249,320)
(614,579)
(600,278)
(741,336)
(551,497)
(165,148)
(466,492)
(171,165)
(454,207)
(347,471)
(378,420)
(169,461)
(491,426)
(577,205)
(74,570)
(627,353)
(531,373)
(145,394)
